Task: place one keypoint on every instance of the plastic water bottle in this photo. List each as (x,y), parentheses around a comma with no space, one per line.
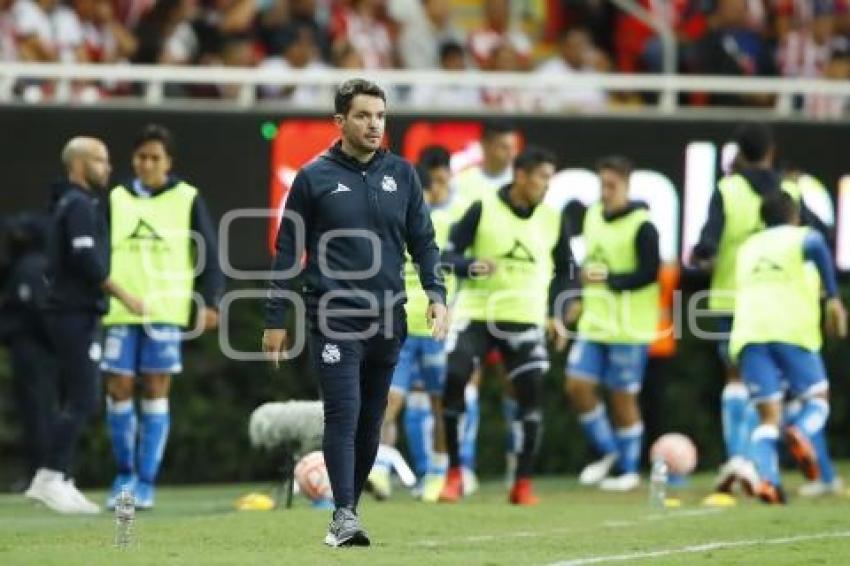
(125,519)
(658,477)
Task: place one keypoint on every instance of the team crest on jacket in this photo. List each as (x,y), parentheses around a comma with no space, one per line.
(330,354)
(388,184)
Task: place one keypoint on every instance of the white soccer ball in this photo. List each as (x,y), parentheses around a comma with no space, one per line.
(678,451)
(312,477)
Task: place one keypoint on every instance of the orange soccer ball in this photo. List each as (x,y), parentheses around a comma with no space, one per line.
(678,451)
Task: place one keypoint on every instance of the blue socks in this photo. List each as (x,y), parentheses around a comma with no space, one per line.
(419,429)
(733,406)
(469,428)
(827,471)
(629,441)
(597,429)
(121,422)
(155,423)
(765,439)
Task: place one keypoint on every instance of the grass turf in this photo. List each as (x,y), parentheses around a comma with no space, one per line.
(197,525)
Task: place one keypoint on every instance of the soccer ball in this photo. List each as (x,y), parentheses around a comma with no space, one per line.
(312,477)
(678,451)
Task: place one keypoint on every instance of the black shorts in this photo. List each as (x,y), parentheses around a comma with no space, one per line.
(522,346)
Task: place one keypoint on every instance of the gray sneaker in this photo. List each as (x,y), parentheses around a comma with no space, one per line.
(345,530)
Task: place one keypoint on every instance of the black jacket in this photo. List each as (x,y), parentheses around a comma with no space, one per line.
(22,300)
(77,250)
(383,200)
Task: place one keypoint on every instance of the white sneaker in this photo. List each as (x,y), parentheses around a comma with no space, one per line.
(818,488)
(729,472)
(52,491)
(597,471)
(42,476)
(470,481)
(84,505)
(625,482)
(748,477)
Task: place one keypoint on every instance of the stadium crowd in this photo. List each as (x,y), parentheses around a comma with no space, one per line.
(793,38)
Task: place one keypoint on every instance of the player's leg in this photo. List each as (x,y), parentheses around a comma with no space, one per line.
(806,377)
(733,400)
(762,377)
(829,482)
(433,374)
(526,360)
(464,345)
(159,359)
(623,376)
(380,476)
(418,429)
(585,366)
(120,360)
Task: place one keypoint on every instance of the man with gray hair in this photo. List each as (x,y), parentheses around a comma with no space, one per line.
(78,280)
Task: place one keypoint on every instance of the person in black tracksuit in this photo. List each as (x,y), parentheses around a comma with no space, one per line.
(23,328)
(358,208)
(77,278)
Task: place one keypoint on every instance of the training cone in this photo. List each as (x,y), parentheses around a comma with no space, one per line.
(254,502)
(719,500)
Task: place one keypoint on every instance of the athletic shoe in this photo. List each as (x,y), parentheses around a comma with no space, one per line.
(522,494)
(729,473)
(144,495)
(84,505)
(345,530)
(432,485)
(470,481)
(453,488)
(624,482)
(121,482)
(50,488)
(380,483)
(748,477)
(803,452)
(771,494)
(597,471)
(818,488)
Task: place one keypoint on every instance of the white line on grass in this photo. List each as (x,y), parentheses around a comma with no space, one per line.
(697,548)
(430,543)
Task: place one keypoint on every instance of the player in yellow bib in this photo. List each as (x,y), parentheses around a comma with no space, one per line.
(507,300)
(733,216)
(159,226)
(776,336)
(422,359)
(619,319)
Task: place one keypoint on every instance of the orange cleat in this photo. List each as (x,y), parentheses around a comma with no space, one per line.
(770,494)
(803,452)
(453,488)
(521,493)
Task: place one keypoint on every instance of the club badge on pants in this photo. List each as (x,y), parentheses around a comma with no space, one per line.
(330,354)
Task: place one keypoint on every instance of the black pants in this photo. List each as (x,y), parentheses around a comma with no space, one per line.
(76,345)
(354,376)
(34,375)
(526,360)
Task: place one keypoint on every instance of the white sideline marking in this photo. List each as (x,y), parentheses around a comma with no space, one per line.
(549,532)
(718,545)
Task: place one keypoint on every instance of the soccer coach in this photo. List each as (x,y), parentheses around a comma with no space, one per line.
(358,208)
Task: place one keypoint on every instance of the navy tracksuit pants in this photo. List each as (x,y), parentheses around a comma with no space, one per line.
(354,376)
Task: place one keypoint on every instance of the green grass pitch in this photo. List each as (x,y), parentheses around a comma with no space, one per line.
(197,525)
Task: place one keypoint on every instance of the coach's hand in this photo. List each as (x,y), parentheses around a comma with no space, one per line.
(438,320)
(275,341)
(207,319)
(836,318)
(556,332)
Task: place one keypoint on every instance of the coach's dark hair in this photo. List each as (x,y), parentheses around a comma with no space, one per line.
(754,141)
(496,127)
(351,88)
(434,156)
(424,177)
(778,208)
(155,133)
(532,157)
(620,165)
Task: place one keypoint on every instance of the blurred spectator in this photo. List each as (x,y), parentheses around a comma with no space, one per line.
(837,68)
(448,97)
(304,12)
(166,35)
(221,20)
(360,25)
(298,51)
(36,40)
(234,51)
(577,54)
(345,56)
(497,36)
(130,12)
(596,16)
(425,26)
(505,58)
(732,48)
(7,32)
(805,49)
